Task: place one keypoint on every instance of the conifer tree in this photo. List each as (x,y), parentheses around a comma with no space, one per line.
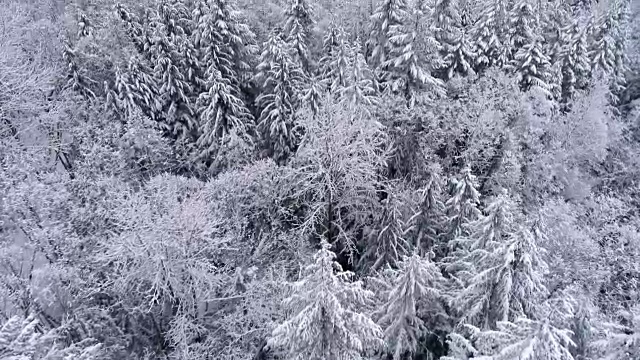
(485,233)
(336,60)
(134,28)
(224,45)
(360,89)
(327,319)
(223,114)
(297,29)
(460,56)
(313,95)
(408,70)
(457,51)
(507,282)
(282,79)
(575,60)
(533,67)
(430,220)
(621,342)
(525,339)
(524,24)
(389,13)
(462,206)
(492,35)
(388,241)
(135,87)
(417,291)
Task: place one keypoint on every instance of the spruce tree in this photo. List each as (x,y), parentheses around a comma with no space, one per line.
(297,30)
(491,33)
(507,282)
(282,80)
(524,24)
(462,206)
(525,339)
(574,57)
(326,318)
(457,50)
(485,234)
(409,71)
(360,89)
(336,60)
(417,291)
(430,220)
(224,47)
(389,13)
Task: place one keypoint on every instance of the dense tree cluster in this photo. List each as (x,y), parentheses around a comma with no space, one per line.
(320,179)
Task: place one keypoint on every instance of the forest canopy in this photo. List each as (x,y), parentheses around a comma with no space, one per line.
(320,179)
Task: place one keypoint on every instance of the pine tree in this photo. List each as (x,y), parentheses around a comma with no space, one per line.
(281,78)
(416,291)
(575,60)
(389,13)
(326,321)
(297,30)
(492,35)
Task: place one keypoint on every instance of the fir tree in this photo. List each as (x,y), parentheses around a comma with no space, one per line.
(416,292)
(388,241)
(282,80)
(223,114)
(297,30)
(313,95)
(326,321)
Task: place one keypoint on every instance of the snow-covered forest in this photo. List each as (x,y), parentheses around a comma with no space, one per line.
(320,179)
